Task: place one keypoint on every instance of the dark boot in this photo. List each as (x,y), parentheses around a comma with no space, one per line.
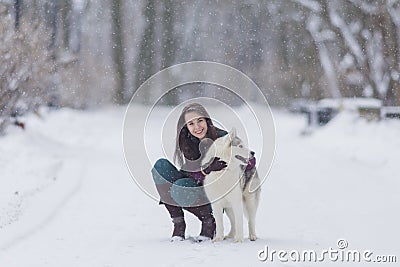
(179,228)
(208,227)
(176,214)
(204,213)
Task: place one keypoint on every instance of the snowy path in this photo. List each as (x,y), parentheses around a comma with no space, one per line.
(87,211)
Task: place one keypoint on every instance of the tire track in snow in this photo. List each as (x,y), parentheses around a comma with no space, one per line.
(15,208)
(46,205)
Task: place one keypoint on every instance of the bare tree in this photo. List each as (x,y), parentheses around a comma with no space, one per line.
(66,13)
(168,44)
(17,7)
(118,51)
(146,60)
(26,63)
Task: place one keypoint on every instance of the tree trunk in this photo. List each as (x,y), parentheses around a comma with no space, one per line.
(168,45)
(66,22)
(17,6)
(145,64)
(118,51)
(51,11)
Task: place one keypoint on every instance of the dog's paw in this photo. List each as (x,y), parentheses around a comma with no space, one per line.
(253,237)
(218,239)
(238,240)
(229,236)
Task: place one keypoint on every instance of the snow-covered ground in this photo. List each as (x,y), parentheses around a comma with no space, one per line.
(67,199)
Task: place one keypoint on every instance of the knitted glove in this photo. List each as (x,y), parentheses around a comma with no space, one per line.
(216,165)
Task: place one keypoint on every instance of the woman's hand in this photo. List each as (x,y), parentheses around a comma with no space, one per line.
(216,165)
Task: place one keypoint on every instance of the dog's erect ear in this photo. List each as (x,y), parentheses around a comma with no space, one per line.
(232,133)
(230,136)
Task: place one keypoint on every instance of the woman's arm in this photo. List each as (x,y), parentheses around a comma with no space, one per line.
(199,176)
(216,165)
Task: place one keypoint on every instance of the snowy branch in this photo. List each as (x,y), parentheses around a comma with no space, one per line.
(313,26)
(393,11)
(349,38)
(378,72)
(365,7)
(310,4)
(393,7)
(326,62)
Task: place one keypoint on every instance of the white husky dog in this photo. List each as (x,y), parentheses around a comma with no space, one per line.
(230,189)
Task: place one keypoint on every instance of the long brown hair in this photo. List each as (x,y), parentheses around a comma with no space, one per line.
(187,145)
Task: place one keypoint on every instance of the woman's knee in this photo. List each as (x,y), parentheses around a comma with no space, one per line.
(163,171)
(162,164)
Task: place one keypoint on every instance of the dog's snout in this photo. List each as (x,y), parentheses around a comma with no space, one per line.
(252,153)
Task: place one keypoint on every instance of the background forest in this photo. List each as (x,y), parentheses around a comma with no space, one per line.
(82,53)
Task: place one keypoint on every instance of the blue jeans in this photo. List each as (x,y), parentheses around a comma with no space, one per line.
(174,187)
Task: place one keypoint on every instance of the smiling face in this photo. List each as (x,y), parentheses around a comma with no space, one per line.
(196,124)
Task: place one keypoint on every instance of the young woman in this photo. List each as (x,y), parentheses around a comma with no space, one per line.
(182,189)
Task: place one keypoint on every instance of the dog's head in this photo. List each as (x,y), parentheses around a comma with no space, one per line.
(240,152)
(230,149)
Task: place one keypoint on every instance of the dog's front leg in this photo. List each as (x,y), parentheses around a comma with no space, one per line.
(218,213)
(231,216)
(238,213)
(251,206)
